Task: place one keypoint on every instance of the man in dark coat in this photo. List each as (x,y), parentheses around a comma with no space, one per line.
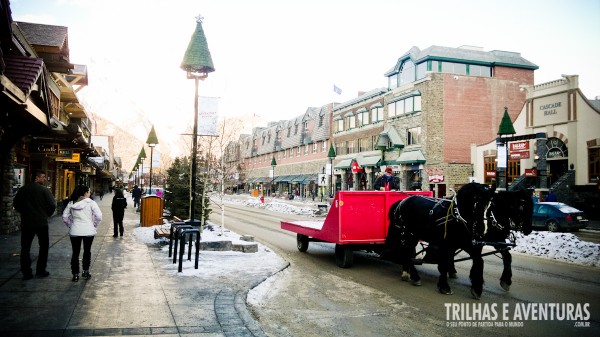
(136,194)
(36,203)
(387,182)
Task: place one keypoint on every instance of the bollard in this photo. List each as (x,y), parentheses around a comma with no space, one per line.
(183,233)
(177,234)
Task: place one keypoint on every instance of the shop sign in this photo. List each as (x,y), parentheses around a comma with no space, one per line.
(519,150)
(490,174)
(65,153)
(75,158)
(356,168)
(437,178)
(51,149)
(531,172)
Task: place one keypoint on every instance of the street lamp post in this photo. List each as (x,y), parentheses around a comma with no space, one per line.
(142,156)
(197,63)
(273,164)
(152,142)
(331,156)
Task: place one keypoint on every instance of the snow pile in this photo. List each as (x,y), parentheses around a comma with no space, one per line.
(222,264)
(558,246)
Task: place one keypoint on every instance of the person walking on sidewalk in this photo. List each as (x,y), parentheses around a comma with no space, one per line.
(36,203)
(119,203)
(136,194)
(82,215)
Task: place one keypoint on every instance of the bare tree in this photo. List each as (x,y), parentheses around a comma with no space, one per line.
(216,169)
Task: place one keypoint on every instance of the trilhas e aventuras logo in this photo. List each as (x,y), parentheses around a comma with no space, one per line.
(514,315)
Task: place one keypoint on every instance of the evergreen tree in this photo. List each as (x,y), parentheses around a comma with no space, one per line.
(177,196)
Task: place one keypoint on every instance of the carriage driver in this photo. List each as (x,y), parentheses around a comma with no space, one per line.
(387,182)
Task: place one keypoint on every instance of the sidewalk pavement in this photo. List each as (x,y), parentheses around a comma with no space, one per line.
(129,294)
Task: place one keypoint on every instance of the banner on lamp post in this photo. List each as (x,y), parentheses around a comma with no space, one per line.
(207,116)
(501,155)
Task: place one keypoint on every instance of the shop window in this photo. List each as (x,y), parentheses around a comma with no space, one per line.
(413,136)
(489,170)
(594,165)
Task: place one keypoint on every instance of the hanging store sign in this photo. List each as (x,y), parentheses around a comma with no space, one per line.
(75,158)
(45,148)
(531,173)
(356,168)
(436,178)
(519,150)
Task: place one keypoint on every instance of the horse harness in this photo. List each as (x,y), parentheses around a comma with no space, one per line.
(452,212)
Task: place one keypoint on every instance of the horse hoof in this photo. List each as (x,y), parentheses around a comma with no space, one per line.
(405,276)
(452,275)
(475,295)
(416,283)
(445,291)
(505,286)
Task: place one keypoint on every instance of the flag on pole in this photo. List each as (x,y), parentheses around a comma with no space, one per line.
(337,90)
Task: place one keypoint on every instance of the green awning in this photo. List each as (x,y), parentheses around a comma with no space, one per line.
(282,179)
(389,137)
(297,178)
(368,161)
(411,157)
(343,164)
(308,178)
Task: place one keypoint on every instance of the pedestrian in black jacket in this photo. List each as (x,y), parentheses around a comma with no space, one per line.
(119,203)
(36,203)
(387,182)
(136,194)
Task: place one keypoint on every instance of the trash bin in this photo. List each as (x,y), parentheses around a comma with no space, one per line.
(151,211)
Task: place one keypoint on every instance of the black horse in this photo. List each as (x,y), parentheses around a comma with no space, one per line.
(509,211)
(447,226)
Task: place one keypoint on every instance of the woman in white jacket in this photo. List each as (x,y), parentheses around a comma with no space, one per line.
(82,215)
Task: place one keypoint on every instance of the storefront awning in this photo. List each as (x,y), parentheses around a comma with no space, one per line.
(297,178)
(368,161)
(411,157)
(310,178)
(389,138)
(282,179)
(344,164)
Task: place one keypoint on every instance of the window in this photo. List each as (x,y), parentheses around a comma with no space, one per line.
(363,118)
(321,120)
(377,114)
(324,146)
(289,131)
(489,167)
(295,129)
(297,151)
(339,125)
(365,144)
(407,73)
(314,148)
(594,165)
(350,146)
(476,70)
(393,81)
(350,121)
(413,136)
(454,68)
(421,70)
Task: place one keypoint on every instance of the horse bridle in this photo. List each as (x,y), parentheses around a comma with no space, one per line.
(514,225)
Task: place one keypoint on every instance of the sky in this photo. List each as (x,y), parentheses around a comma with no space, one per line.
(274,59)
(563,247)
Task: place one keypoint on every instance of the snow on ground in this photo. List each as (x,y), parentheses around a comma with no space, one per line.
(565,247)
(216,263)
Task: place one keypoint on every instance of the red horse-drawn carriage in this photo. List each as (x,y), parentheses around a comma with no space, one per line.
(357,220)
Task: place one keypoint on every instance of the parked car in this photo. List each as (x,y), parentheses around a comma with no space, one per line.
(557,216)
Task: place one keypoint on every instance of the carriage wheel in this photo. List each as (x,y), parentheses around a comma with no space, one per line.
(553,226)
(344,256)
(302,242)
